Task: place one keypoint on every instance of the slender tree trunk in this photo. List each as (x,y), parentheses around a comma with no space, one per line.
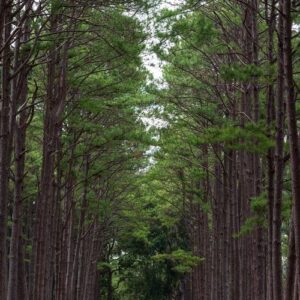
(285,9)
(4,140)
(20,138)
(270,113)
(56,94)
(279,167)
(291,264)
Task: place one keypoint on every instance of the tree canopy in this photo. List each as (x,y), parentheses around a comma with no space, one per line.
(120,184)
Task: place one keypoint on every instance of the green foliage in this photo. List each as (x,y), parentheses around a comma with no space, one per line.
(250,225)
(252,137)
(56,6)
(103,266)
(259,204)
(243,73)
(182,261)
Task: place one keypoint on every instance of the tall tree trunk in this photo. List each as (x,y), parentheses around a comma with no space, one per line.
(20,138)
(270,114)
(285,9)
(4,139)
(55,102)
(279,167)
(291,264)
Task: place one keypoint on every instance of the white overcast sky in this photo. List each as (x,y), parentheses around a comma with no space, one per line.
(151,61)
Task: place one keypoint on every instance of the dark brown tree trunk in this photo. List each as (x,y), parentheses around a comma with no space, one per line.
(279,167)
(291,264)
(20,117)
(20,138)
(285,9)
(270,114)
(5,26)
(55,101)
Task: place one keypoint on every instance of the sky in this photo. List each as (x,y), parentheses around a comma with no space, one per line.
(151,61)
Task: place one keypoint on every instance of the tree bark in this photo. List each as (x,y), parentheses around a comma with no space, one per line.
(5,26)
(285,10)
